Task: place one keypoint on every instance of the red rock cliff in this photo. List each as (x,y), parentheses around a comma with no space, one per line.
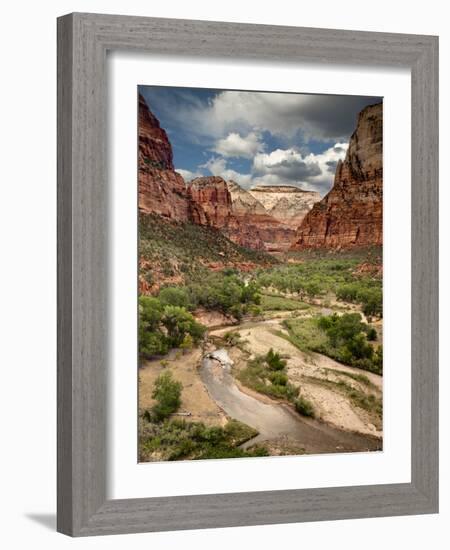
(351,214)
(161,190)
(208,201)
(212,205)
(255,223)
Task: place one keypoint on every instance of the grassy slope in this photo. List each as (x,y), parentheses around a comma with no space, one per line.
(173,249)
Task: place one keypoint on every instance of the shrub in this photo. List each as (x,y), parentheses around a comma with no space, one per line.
(187,343)
(304,407)
(278,378)
(167,393)
(232,338)
(274,360)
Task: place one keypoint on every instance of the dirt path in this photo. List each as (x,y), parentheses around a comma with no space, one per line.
(275,420)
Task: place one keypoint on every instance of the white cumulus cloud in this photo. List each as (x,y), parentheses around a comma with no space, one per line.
(187,175)
(217,166)
(287,163)
(310,171)
(234,145)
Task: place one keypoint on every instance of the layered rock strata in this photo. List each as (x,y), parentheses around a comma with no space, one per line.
(286,203)
(351,214)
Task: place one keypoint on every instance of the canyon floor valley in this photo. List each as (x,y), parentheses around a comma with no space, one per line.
(260,274)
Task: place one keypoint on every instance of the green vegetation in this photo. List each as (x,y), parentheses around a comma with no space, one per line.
(361,378)
(226,291)
(341,337)
(181,440)
(358,292)
(319,277)
(162,327)
(369,402)
(304,407)
(267,374)
(167,393)
(270,302)
(233,338)
(183,250)
(160,165)
(175,296)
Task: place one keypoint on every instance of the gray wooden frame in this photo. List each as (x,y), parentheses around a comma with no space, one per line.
(83,41)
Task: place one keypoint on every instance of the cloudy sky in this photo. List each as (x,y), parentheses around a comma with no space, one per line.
(256,138)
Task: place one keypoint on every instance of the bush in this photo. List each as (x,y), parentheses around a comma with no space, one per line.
(304,407)
(187,343)
(167,393)
(274,360)
(233,338)
(278,378)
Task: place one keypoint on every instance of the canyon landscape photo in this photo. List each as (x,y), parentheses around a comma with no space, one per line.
(260,274)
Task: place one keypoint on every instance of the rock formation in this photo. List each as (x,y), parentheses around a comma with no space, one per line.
(161,190)
(256,222)
(212,195)
(351,214)
(211,201)
(286,203)
(212,205)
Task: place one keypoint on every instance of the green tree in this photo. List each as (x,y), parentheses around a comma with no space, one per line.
(175,296)
(179,322)
(150,312)
(152,341)
(167,393)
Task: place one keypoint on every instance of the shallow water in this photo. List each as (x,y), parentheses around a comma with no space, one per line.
(277,419)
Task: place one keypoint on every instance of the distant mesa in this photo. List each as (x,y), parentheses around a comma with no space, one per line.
(286,203)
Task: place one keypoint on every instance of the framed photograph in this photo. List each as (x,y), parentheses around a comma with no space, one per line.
(247,274)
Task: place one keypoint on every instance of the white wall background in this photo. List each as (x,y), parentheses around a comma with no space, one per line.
(28,272)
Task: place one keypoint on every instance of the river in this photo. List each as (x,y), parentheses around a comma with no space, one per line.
(275,420)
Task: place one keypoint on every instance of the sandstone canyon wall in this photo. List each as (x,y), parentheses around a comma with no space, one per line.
(251,214)
(161,190)
(351,214)
(211,201)
(286,203)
